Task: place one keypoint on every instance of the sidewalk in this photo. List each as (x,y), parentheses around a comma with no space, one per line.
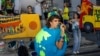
(89,50)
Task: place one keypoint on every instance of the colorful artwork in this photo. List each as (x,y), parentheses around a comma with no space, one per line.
(25,25)
(86,6)
(97,13)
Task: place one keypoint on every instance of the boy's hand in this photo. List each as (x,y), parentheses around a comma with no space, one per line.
(62,27)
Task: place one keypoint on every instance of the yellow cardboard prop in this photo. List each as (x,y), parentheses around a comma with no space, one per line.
(23,26)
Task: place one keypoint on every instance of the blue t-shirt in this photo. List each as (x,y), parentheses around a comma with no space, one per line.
(45,42)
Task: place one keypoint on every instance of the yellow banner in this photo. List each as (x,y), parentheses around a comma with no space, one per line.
(23,26)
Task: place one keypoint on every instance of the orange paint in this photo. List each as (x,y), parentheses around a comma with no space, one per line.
(33,25)
(10,24)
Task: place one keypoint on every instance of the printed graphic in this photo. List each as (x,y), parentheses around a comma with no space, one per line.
(22,26)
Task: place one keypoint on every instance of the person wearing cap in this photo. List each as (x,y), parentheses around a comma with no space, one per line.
(53,12)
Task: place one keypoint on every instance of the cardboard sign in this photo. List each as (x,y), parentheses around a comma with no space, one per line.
(23,26)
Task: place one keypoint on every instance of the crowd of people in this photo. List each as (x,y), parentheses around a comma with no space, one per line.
(64,18)
(52,39)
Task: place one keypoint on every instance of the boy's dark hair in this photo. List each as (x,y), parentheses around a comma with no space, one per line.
(50,19)
(23,51)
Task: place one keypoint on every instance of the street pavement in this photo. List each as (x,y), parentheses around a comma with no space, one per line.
(88,50)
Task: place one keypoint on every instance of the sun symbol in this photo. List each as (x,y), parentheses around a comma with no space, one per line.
(33,25)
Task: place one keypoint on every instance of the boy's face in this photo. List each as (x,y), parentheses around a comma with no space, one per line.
(54,23)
